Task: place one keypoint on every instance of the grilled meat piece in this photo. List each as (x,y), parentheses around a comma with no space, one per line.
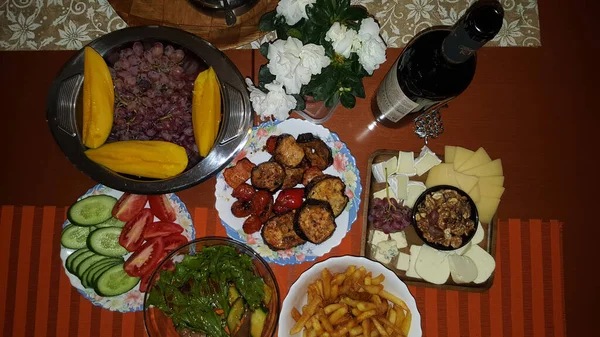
(293,177)
(287,152)
(267,176)
(328,188)
(278,232)
(317,152)
(238,174)
(315,221)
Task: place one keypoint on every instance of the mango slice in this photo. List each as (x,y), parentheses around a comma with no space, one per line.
(98,99)
(144,158)
(206,110)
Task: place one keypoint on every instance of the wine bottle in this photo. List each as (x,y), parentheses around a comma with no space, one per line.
(436,65)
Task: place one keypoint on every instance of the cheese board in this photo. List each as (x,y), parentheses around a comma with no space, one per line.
(486,242)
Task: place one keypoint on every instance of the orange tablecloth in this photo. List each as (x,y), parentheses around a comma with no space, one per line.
(36,298)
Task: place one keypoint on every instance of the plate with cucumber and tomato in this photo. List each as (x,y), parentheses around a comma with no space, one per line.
(112,241)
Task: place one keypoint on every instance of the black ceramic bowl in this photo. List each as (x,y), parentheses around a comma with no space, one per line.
(474,216)
(64,110)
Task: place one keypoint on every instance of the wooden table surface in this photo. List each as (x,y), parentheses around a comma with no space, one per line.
(532,107)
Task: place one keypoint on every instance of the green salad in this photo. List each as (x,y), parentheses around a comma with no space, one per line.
(215,292)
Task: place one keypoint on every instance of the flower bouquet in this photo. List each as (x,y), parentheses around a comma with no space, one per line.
(323,50)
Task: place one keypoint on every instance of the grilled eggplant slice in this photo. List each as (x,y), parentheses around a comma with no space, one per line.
(315,221)
(317,152)
(287,151)
(267,176)
(293,177)
(328,188)
(278,232)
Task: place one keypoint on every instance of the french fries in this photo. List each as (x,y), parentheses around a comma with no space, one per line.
(352,303)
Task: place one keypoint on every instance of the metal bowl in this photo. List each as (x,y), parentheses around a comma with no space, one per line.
(64,111)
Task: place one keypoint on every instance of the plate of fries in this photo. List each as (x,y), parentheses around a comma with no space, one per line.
(349,296)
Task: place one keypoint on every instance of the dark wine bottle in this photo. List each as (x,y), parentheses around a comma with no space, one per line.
(436,65)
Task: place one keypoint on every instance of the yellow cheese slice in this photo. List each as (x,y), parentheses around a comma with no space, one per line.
(493,168)
(488,190)
(442,174)
(478,158)
(449,152)
(465,182)
(492,180)
(474,193)
(461,155)
(486,207)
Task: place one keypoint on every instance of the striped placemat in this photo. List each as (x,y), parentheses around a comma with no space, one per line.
(527,298)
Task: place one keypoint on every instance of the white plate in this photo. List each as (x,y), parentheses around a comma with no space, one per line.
(344,166)
(132,300)
(297,295)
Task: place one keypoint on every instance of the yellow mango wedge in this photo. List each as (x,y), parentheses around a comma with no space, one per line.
(144,158)
(206,110)
(98,99)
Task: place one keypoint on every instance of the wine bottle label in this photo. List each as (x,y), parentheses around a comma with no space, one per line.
(391,100)
(458,47)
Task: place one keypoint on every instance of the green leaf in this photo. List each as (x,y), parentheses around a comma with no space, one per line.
(281,33)
(264,76)
(358,89)
(293,32)
(267,22)
(347,100)
(300,103)
(264,49)
(356,13)
(333,99)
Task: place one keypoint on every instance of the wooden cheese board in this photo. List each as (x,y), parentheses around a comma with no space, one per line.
(488,243)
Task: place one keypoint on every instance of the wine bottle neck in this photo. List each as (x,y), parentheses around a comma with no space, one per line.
(481,22)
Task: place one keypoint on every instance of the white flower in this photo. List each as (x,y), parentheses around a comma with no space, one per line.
(293,64)
(275,103)
(293,10)
(418,9)
(372,48)
(312,57)
(72,36)
(23,29)
(508,32)
(342,39)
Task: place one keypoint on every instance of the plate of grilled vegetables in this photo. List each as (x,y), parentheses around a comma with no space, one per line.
(292,194)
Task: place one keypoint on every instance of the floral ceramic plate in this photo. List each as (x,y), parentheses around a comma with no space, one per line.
(344,166)
(132,300)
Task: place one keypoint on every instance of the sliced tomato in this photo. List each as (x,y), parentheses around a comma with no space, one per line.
(144,281)
(161,228)
(252,224)
(271,144)
(244,192)
(174,241)
(132,235)
(144,260)
(162,208)
(169,265)
(128,206)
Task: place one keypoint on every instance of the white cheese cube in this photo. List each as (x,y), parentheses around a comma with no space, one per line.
(388,249)
(406,163)
(414,254)
(462,269)
(400,238)
(426,160)
(414,190)
(380,169)
(376,236)
(377,170)
(403,262)
(399,183)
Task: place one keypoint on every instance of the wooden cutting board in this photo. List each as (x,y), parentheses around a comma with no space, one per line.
(181,14)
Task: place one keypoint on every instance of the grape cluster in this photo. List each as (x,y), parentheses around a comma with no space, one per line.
(388,215)
(153,95)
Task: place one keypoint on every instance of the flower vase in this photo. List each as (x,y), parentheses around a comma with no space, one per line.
(316,111)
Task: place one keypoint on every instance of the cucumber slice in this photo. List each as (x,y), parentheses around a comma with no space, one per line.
(115,281)
(91,210)
(88,262)
(93,276)
(70,258)
(105,241)
(74,237)
(78,260)
(86,277)
(112,222)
